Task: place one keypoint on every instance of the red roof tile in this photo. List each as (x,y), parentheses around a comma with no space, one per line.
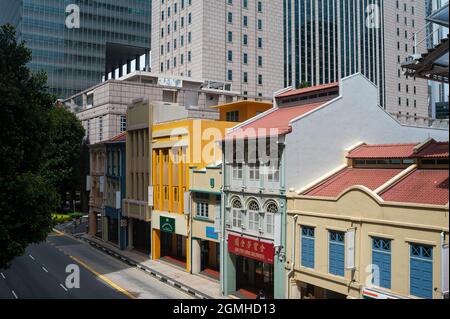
(383,151)
(420,187)
(431,150)
(348,177)
(119,138)
(309,89)
(435,150)
(278,119)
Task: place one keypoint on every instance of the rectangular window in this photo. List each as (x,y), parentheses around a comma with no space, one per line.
(237,171)
(236,216)
(253,220)
(308,235)
(269,219)
(123,123)
(245,39)
(381,259)
(230,56)
(421,271)
(245,76)
(230,75)
(230,36)
(245,21)
(259,24)
(254,173)
(260,43)
(260,61)
(232,116)
(336,253)
(273,174)
(230,17)
(245,58)
(202,209)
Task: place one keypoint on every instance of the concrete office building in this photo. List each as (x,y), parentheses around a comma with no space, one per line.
(237,42)
(76,58)
(326,40)
(439,92)
(102,108)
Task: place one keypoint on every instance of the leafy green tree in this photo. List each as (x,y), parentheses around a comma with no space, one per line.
(27,197)
(62,165)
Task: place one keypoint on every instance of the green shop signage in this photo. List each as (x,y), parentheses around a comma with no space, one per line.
(167,224)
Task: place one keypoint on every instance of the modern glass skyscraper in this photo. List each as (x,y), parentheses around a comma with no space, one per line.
(75,58)
(326,40)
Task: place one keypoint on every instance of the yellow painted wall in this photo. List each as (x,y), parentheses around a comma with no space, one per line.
(200,136)
(404,224)
(247,109)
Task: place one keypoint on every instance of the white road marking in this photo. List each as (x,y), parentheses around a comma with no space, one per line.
(15,296)
(31,257)
(44,269)
(62,286)
(3,276)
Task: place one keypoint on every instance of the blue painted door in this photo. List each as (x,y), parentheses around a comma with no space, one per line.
(421,271)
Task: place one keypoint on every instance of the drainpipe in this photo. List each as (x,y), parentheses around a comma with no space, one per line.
(291,272)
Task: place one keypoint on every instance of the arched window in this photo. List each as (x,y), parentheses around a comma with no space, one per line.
(271,210)
(253,216)
(236,213)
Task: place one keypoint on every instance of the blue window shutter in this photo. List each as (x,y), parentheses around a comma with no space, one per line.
(421,271)
(337,254)
(308,247)
(381,256)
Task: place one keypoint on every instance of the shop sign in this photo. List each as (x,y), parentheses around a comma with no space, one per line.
(252,249)
(369,293)
(211,233)
(167,224)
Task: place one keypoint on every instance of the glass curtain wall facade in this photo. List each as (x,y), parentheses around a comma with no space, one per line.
(326,40)
(75,58)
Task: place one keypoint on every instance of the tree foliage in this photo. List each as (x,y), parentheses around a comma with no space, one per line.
(61,166)
(30,146)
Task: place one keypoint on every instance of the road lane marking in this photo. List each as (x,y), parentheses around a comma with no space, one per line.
(62,286)
(109,282)
(15,296)
(31,257)
(3,276)
(44,269)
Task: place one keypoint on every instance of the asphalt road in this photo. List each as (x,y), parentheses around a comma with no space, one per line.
(41,274)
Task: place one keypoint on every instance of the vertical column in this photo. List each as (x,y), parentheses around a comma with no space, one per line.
(196,256)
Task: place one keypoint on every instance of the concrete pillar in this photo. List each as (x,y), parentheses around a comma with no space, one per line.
(229,269)
(92,223)
(130,234)
(196,256)
(251,270)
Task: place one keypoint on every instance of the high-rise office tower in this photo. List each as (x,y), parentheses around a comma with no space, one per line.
(439,92)
(238,42)
(326,40)
(76,58)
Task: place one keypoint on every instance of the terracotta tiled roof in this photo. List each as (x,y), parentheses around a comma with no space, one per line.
(383,151)
(309,89)
(119,138)
(278,119)
(420,187)
(431,150)
(348,177)
(435,150)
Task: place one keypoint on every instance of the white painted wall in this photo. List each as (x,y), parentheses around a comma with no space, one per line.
(318,140)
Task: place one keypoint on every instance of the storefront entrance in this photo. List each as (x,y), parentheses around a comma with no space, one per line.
(254,276)
(173,248)
(141,236)
(210,259)
(113,230)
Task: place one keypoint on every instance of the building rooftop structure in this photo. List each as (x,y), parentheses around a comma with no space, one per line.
(394,172)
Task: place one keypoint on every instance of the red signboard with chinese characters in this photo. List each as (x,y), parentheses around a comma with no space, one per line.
(250,248)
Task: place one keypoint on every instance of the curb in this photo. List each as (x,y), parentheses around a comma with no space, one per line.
(171,282)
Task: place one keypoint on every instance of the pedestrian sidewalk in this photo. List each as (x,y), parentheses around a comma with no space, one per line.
(196,285)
